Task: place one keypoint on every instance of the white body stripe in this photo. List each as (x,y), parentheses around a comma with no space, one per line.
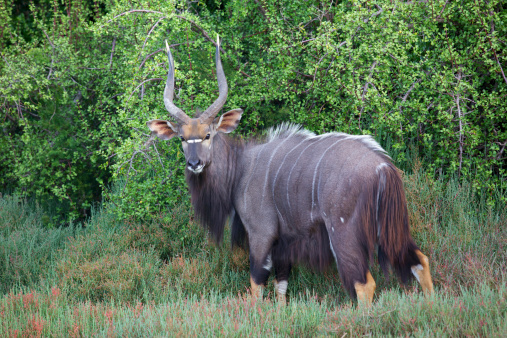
(267,170)
(276,175)
(290,172)
(315,174)
(332,250)
(380,166)
(250,177)
(287,130)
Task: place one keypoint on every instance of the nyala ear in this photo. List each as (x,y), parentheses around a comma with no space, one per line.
(164,130)
(228,121)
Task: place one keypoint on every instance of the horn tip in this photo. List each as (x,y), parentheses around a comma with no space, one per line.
(218,41)
(166,46)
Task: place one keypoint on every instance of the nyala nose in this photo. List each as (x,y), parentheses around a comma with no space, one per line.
(194,163)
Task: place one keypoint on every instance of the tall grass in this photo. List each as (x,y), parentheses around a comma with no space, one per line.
(109,277)
(28,248)
(477,312)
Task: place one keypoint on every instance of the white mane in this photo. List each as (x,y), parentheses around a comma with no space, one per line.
(288,129)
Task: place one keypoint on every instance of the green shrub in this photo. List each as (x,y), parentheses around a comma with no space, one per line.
(411,74)
(425,77)
(56,93)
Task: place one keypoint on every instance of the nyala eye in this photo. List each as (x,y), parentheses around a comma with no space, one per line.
(207,137)
(182,139)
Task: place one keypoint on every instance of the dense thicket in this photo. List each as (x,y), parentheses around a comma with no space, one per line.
(81,78)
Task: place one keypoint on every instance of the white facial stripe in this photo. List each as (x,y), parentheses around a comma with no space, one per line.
(194,141)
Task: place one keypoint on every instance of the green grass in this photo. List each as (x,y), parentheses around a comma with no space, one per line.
(477,312)
(134,278)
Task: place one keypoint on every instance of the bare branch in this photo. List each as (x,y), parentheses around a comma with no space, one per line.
(365,88)
(498,157)
(50,42)
(193,23)
(461,137)
(161,50)
(409,90)
(52,56)
(151,30)
(358,28)
(499,65)
(112,52)
(261,9)
(140,132)
(158,155)
(131,167)
(203,32)
(177,16)
(132,11)
(154,79)
(317,65)
(373,15)
(150,55)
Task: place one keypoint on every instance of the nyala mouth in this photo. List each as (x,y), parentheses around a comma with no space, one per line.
(197,170)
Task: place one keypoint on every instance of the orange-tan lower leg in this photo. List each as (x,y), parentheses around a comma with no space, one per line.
(257,289)
(422,273)
(365,292)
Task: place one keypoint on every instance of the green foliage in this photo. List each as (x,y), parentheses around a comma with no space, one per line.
(56,93)
(426,77)
(411,74)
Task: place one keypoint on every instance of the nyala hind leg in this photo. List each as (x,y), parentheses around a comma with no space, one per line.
(365,291)
(422,273)
(282,267)
(282,280)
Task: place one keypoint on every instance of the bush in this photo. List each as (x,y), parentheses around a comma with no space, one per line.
(422,76)
(412,77)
